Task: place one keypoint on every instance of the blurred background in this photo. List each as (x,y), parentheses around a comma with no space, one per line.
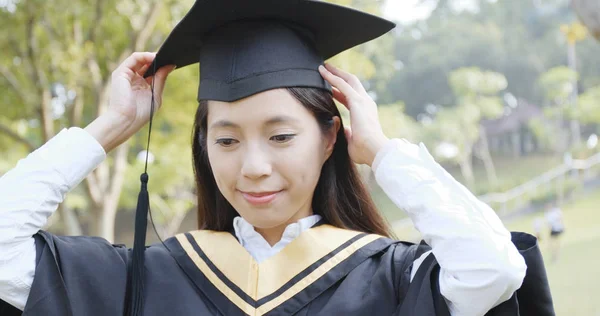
(505,94)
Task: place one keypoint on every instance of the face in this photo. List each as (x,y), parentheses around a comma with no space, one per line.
(266,153)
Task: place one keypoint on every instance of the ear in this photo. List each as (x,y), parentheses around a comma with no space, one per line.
(331,137)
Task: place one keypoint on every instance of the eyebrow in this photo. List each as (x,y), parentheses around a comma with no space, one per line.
(272,121)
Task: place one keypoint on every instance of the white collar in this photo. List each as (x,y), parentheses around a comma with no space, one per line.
(258,247)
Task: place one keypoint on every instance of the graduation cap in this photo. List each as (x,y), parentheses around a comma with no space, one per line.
(244,47)
(249,46)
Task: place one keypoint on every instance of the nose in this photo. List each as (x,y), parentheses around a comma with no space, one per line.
(256,164)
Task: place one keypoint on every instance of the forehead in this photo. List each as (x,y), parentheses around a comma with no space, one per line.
(258,109)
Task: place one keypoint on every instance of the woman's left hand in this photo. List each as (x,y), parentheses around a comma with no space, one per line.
(365,136)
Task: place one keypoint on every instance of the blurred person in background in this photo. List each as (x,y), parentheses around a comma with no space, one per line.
(554,218)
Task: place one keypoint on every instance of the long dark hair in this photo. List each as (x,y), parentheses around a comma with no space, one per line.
(341,198)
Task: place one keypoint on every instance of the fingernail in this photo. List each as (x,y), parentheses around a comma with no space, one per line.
(321,67)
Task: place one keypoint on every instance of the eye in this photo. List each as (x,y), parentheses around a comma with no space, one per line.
(226,142)
(283,138)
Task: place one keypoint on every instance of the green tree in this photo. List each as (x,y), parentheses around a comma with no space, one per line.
(397,124)
(55,69)
(477,94)
(558,88)
(520,39)
(589,107)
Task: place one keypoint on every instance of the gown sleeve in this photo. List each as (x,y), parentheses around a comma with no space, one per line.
(77,276)
(422,297)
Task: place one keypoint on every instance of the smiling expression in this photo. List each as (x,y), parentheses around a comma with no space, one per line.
(266,153)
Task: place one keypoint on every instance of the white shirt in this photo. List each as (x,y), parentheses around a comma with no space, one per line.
(258,247)
(554,218)
(480,267)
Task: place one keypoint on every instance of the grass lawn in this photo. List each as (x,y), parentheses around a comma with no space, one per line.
(574,277)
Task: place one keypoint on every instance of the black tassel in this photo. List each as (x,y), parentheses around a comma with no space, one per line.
(135,275)
(139,247)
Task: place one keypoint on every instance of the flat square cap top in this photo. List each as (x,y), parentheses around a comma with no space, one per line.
(248,46)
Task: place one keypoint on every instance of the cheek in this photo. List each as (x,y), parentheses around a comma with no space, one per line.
(302,166)
(224,170)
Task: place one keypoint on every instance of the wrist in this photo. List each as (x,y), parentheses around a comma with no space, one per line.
(110,130)
(375,145)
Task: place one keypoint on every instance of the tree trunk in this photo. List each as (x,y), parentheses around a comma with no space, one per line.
(173,225)
(70,220)
(106,223)
(103,222)
(466,168)
(575,128)
(486,157)
(175,215)
(104,189)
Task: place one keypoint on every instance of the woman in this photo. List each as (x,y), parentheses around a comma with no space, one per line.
(286,227)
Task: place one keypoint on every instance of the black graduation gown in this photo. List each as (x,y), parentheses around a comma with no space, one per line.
(325,271)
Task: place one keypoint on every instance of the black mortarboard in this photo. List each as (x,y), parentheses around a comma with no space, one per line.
(245,47)
(249,46)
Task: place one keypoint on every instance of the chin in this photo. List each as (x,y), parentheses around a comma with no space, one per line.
(266,219)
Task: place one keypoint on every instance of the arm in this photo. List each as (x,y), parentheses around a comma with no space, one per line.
(30,193)
(480,266)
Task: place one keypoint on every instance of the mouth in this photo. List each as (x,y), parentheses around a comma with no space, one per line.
(260,198)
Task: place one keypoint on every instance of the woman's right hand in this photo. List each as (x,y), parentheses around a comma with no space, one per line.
(130,97)
(130,92)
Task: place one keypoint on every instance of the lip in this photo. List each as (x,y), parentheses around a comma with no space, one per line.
(260,198)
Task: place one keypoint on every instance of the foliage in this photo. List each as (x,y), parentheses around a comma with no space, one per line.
(56,69)
(476,92)
(557,84)
(520,39)
(589,106)
(396,124)
(371,61)
(546,134)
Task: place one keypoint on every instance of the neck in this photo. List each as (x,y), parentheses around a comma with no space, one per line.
(273,235)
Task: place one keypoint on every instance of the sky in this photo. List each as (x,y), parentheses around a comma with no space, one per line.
(407,11)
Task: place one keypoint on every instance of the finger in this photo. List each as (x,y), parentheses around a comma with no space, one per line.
(143,70)
(339,83)
(340,97)
(149,80)
(137,60)
(166,68)
(348,77)
(160,78)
